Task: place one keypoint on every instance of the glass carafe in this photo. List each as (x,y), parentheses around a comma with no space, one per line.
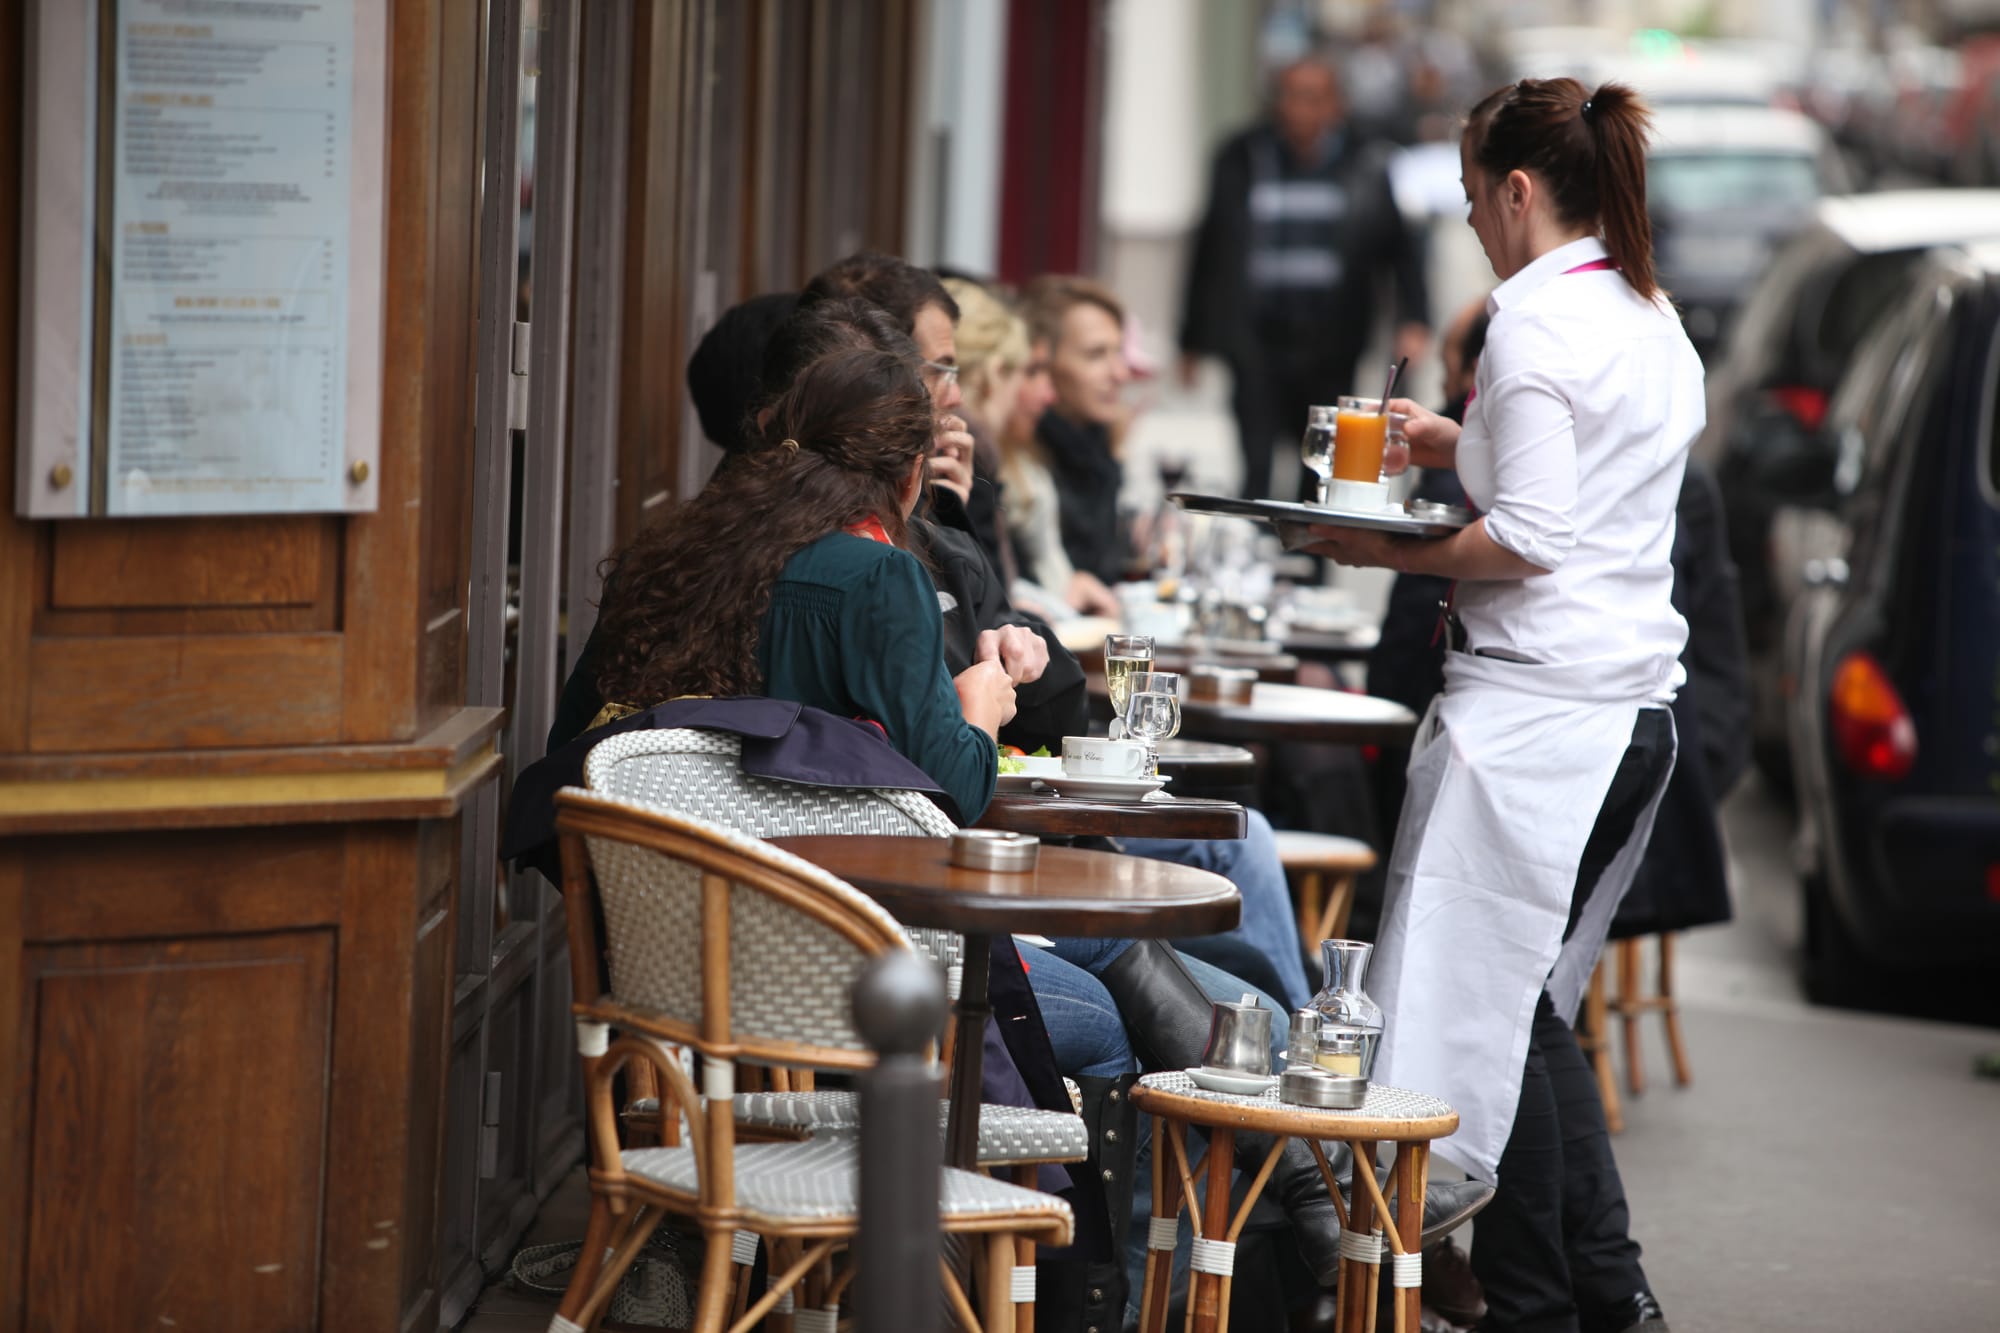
(1350,1022)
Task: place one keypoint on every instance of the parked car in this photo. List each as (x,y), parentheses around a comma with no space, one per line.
(1895,648)
(1726,186)
(1768,394)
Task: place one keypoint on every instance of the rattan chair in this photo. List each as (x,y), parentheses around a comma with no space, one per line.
(699,774)
(737,951)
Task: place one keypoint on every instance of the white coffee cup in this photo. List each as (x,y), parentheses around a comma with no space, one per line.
(1096,757)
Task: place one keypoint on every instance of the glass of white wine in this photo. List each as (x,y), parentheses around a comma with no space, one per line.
(1123,654)
(1316,445)
(1153,712)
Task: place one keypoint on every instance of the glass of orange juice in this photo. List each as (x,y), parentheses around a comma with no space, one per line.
(1360,438)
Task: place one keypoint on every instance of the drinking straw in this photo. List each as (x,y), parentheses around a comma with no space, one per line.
(1389,388)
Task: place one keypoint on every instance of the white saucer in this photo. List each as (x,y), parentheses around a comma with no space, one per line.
(1228,1080)
(1104,789)
(1023,783)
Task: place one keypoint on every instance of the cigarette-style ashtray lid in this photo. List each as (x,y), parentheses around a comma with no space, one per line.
(994,849)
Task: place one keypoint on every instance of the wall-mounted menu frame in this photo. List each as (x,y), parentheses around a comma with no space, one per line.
(202,257)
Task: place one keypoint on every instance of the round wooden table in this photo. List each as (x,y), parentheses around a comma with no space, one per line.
(1050,816)
(1301,713)
(1321,646)
(1069,892)
(1410,1120)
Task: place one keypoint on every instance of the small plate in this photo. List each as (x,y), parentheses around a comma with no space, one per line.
(1104,789)
(1228,1080)
(1020,783)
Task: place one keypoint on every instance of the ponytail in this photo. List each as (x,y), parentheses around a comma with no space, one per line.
(1589,148)
(1618,120)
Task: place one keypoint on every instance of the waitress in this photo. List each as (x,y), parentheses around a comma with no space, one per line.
(1537,772)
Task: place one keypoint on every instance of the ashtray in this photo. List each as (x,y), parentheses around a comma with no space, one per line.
(1220,684)
(994,849)
(1309,1085)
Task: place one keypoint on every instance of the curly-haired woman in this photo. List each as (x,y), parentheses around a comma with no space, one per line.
(788,576)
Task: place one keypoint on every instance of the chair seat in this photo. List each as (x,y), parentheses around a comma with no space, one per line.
(1008,1135)
(817,1182)
(1299,850)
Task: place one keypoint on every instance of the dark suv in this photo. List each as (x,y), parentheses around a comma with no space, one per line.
(1894,645)
(1767,397)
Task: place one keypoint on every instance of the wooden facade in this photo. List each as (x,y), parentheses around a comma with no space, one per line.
(282,1046)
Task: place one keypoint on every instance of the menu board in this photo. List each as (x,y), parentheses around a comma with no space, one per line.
(235,200)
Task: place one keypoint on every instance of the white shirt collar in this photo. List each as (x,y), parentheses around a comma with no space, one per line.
(1553,264)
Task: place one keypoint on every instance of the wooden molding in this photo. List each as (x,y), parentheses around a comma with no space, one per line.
(425,779)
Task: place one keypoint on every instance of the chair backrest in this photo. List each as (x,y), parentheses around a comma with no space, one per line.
(698,774)
(714,939)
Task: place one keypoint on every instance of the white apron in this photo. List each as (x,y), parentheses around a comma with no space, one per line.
(1509,769)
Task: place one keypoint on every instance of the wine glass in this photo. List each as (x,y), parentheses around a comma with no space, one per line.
(1316,446)
(1153,712)
(1123,654)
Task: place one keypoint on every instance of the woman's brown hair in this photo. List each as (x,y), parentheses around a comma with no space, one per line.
(683,603)
(1589,148)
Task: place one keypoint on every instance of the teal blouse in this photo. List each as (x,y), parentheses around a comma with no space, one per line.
(854,628)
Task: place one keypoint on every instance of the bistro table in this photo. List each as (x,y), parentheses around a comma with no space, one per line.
(1069,892)
(1300,713)
(1047,815)
(1329,647)
(1278,712)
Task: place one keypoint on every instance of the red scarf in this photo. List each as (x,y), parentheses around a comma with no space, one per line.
(871,528)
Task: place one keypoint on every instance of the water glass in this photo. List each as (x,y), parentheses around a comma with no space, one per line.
(1153,712)
(1316,446)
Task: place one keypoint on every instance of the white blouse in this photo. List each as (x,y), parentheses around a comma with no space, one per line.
(1573,447)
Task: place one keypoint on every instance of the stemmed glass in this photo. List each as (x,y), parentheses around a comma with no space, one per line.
(1123,655)
(1153,712)
(1316,446)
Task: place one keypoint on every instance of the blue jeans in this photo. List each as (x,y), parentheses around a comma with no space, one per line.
(1264,948)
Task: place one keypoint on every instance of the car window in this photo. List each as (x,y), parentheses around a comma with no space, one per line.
(1851,305)
(1699,182)
(1930,321)
(1763,349)
(1990,406)
(1866,409)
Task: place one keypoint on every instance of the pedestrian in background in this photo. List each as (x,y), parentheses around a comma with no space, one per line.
(1284,283)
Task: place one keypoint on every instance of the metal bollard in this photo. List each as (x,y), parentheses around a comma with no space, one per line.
(899,1006)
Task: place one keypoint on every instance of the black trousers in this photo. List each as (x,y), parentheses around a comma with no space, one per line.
(1552,1249)
(1270,399)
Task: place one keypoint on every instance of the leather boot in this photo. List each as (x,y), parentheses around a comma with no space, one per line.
(1167,1015)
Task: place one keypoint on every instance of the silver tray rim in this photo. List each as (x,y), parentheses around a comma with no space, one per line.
(1286,513)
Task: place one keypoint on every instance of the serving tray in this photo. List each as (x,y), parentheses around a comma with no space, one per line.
(1291,519)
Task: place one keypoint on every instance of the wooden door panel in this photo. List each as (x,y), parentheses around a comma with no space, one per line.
(184,693)
(207,1197)
(274,561)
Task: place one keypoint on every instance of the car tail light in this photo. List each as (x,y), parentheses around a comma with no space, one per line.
(1803,404)
(1871,728)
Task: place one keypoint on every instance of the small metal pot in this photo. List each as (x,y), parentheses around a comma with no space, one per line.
(1239,1037)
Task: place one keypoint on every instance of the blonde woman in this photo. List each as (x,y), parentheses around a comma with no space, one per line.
(1005,380)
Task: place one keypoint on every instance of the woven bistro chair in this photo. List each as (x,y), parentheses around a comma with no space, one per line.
(699,774)
(738,951)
